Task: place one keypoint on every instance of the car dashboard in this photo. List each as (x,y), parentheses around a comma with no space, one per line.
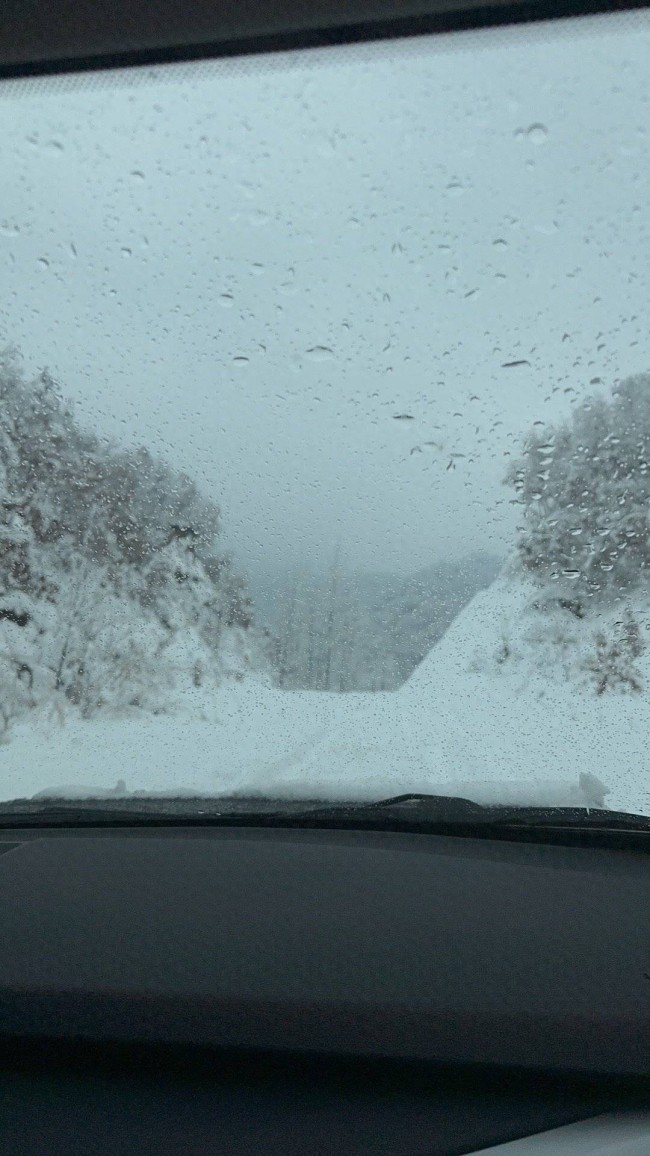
(237,990)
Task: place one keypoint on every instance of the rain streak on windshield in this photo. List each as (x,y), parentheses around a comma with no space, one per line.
(325,423)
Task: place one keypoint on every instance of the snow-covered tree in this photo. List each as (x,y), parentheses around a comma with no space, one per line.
(584,487)
(102,649)
(612,664)
(113,593)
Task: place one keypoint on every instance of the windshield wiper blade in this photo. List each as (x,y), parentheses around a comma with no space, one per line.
(239,809)
(455,810)
(155,810)
(423,802)
(415,814)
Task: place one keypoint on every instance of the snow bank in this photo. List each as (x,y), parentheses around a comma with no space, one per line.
(505,695)
(484,716)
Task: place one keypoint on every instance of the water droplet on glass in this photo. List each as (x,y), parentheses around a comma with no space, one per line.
(240,360)
(537,134)
(572,574)
(226,300)
(455,189)
(320,353)
(126,252)
(137,175)
(43,263)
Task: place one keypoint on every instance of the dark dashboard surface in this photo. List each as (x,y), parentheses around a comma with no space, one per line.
(519,964)
(118,1104)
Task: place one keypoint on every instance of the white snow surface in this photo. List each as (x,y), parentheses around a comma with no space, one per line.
(524,730)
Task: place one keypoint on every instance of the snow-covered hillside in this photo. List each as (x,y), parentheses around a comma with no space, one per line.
(485,715)
(510,693)
(115,591)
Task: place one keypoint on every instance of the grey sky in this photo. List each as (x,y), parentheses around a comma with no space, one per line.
(253,266)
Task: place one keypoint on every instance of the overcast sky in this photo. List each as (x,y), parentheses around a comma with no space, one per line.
(253,267)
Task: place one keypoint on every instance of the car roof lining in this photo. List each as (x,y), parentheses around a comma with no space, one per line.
(80,35)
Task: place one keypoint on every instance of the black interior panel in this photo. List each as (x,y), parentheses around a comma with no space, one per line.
(411,946)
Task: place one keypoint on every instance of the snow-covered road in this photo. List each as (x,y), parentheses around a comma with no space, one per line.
(460,725)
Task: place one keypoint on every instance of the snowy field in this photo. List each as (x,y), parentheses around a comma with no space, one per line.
(464,723)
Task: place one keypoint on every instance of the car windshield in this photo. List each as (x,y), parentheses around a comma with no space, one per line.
(325,423)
